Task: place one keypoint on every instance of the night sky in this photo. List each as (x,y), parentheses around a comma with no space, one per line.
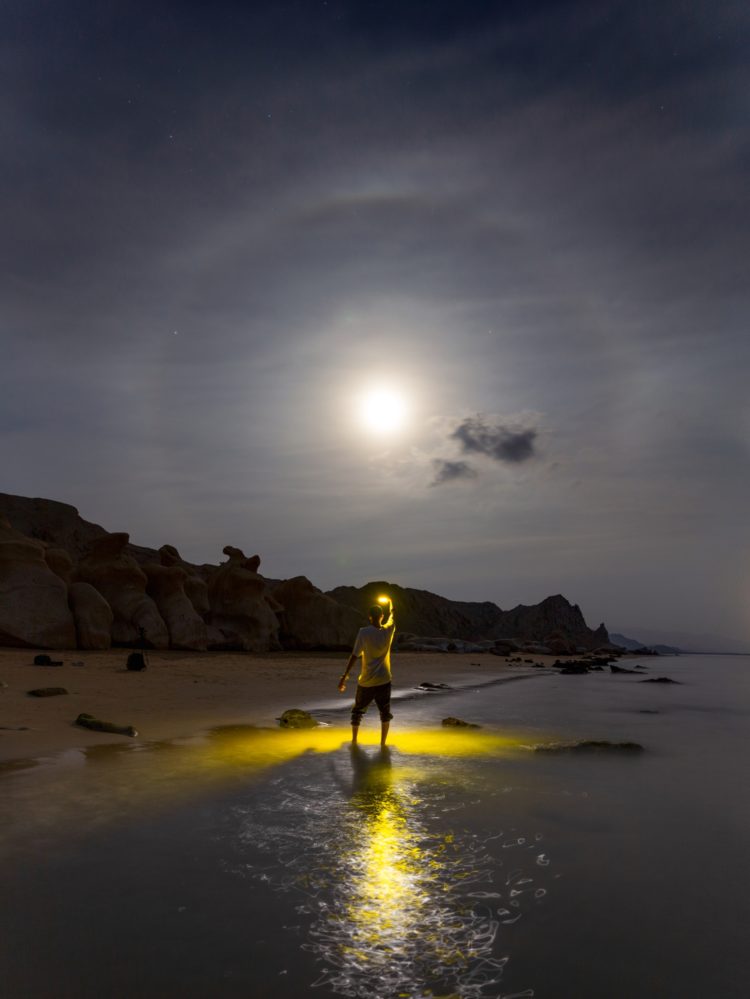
(223,224)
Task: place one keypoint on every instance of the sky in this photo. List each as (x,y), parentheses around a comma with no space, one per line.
(523,226)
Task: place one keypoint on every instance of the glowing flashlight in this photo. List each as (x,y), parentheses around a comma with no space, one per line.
(384,600)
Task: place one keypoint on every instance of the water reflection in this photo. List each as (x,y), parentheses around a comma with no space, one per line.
(398,915)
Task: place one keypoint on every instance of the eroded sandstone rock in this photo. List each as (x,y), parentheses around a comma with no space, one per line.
(33,600)
(243,610)
(166,587)
(196,586)
(60,563)
(92,614)
(312,620)
(123,585)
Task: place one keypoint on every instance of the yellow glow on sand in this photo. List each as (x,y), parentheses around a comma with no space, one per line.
(383,410)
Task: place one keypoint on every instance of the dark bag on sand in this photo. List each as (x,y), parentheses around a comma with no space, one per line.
(136,661)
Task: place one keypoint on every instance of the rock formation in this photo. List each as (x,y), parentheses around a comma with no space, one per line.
(309,619)
(60,563)
(67,581)
(243,610)
(423,613)
(93,616)
(196,587)
(166,586)
(123,585)
(33,600)
(59,525)
(555,623)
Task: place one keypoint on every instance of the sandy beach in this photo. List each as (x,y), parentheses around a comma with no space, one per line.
(182,693)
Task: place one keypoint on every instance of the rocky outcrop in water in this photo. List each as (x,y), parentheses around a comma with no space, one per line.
(591,746)
(297,718)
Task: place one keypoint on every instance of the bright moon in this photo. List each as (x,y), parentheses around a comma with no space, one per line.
(383,410)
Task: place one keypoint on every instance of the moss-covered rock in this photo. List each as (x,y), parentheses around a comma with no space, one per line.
(297,718)
(96,725)
(451,722)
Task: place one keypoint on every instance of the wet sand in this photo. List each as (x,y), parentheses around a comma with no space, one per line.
(183,693)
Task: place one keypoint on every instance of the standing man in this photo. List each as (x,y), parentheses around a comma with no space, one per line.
(373,644)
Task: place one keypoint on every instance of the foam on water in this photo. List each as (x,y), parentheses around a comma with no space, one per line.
(392,898)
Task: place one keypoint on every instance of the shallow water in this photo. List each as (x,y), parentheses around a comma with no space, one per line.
(459,864)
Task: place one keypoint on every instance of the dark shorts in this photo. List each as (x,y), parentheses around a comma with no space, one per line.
(364,698)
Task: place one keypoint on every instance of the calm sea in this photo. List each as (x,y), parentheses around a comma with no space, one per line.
(460,864)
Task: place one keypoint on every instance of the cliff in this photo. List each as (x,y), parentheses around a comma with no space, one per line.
(554,622)
(66,582)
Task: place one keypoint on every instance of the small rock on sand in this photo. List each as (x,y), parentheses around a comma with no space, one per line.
(47,692)
(45,660)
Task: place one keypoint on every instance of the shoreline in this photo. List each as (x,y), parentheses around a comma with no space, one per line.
(182,694)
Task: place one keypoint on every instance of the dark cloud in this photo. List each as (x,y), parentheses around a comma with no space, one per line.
(509,443)
(451,471)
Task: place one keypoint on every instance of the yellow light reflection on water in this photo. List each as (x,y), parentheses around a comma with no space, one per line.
(386,889)
(397,922)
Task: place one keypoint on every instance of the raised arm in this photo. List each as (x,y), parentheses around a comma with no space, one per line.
(390,620)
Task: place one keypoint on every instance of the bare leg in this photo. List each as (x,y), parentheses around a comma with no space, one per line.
(355,733)
(384,726)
